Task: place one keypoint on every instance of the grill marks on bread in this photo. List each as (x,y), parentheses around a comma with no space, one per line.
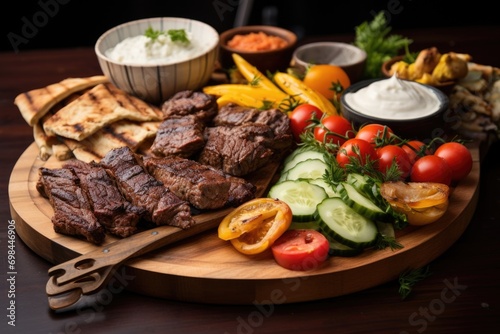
(35,103)
(99,107)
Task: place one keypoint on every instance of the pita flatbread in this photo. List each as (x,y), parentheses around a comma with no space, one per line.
(35,103)
(118,134)
(99,107)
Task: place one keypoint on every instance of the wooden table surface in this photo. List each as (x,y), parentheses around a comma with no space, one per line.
(461,296)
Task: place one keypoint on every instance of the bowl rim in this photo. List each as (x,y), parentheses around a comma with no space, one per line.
(288,35)
(311,45)
(364,83)
(211,48)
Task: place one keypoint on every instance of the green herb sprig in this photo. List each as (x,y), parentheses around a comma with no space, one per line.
(375,39)
(176,35)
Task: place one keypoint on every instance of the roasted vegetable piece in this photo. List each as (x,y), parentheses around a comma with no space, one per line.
(422,202)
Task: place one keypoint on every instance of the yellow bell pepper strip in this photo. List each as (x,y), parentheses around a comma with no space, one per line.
(252,74)
(256,92)
(299,90)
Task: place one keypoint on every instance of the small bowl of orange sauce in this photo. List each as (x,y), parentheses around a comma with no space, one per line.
(268,48)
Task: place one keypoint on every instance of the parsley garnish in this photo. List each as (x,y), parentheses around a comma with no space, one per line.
(374,37)
(176,35)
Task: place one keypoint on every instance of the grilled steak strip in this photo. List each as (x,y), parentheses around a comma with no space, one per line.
(237,150)
(143,190)
(179,135)
(73,213)
(188,102)
(201,185)
(233,115)
(112,210)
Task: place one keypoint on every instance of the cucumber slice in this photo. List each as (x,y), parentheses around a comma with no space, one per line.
(361,204)
(330,191)
(339,249)
(301,156)
(301,196)
(307,169)
(361,183)
(340,222)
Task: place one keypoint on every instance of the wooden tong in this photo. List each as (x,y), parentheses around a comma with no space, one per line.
(89,273)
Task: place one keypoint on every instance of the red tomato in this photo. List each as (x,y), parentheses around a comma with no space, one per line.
(458,158)
(301,249)
(356,148)
(431,168)
(301,117)
(334,129)
(389,154)
(375,134)
(416,151)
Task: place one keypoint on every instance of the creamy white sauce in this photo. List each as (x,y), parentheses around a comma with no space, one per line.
(394,99)
(143,50)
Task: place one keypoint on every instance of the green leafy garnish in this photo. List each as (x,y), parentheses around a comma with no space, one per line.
(375,39)
(176,35)
(409,278)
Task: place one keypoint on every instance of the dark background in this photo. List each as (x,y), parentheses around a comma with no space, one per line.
(40,24)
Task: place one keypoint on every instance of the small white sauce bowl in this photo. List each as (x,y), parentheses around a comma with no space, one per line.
(155,83)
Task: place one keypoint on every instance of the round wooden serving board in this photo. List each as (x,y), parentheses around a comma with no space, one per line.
(203,268)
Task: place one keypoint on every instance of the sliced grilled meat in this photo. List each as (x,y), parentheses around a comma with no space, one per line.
(73,213)
(112,210)
(143,190)
(179,135)
(201,185)
(188,102)
(238,150)
(233,115)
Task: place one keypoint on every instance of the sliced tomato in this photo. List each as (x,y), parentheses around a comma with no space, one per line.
(255,225)
(301,249)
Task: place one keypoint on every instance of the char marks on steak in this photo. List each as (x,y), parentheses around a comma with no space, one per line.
(179,135)
(203,186)
(188,102)
(143,190)
(73,214)
(112,210)
(234,115)
(238,150)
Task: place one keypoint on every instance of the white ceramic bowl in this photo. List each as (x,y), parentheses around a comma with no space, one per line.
(155,83)
(349,57)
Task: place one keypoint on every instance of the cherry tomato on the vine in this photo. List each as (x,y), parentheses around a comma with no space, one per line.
(415,150)
(374,133)
(301,117)
(458,157)
(431,168)
(355,148)
(334,129)
(329,80)
(389,154)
